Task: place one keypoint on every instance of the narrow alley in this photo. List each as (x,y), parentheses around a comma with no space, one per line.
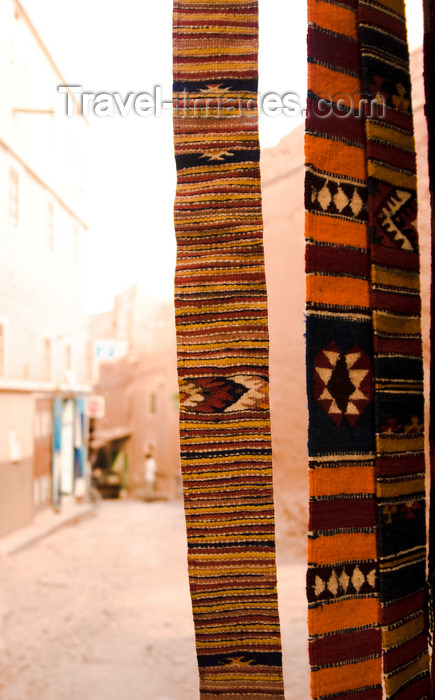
(101,611)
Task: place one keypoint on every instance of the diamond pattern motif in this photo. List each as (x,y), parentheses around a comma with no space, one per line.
(342,581)
(240,392)
(343,383)
(335,197)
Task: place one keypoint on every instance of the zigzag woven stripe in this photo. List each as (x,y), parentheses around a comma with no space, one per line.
(222,339)
(372,391)
(343,583)
(429,89)
(395,299)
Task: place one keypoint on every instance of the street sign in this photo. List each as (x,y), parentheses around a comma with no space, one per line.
(95,406)
(105,350)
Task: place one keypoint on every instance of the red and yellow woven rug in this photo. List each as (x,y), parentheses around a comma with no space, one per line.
(429,82)
(367,542)
(222,336)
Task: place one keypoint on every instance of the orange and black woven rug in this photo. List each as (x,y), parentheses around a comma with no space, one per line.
(429,82)
(222,337)
(367,541)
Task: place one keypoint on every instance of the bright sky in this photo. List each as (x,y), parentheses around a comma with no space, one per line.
(112,46)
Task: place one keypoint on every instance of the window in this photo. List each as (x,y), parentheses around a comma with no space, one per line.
(76,246)
(13,197)
(47,358)
(69,363)
(68,357)
(2,349)
(153,402)
(50,226)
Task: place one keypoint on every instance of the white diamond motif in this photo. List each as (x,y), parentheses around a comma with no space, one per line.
(356,203)
(319,586)
(340,200)
(333,584)
(371,578)
(324,197)
(358,579)
(344,581)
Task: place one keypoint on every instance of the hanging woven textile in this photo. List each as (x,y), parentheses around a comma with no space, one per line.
(222,340)
(429,83)
(367,547)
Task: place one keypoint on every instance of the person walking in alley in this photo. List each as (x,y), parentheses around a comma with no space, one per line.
(150,469)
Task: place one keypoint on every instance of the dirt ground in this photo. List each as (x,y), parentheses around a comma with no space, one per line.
(101,611)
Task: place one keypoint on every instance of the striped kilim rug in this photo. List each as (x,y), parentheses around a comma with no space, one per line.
(222,337)
(367,546)
(429,82)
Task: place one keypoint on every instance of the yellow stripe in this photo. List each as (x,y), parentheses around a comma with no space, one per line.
(207,18)
(230,458)
(211,324)
(211,29)
(243,592)
(228,258)
(246,677)
(216,3)
(225,538)
(216,271)
(393,278)
(400,488)
(237,555)
(248,522)
(395,682)
(218,166)
(213,51)
(400,387)
(204,347)
(398,635)
(221,309)
(212,136)
(218,66)
(375,130)
(402,325)
(199,198)
(211,476)
(224,438)
(240,422)
(238,213)
(225,607)
(206,186)
(237,642)
(250,627)
(393,177)
(401,562)
(225,509)
(215,362)
(391,444)
(199,245)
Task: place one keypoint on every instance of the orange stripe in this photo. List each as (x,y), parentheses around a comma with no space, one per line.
(336,19)
(339,158)
(349,677)
(331,482)
(345,291)
(351,546)
(324,81)
(344,614)
(327,229)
